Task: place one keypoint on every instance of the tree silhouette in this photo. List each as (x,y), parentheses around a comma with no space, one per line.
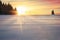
(5,9)
(0,7)
(9,7)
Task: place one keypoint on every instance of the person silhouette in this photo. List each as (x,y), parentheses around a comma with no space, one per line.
(52,12)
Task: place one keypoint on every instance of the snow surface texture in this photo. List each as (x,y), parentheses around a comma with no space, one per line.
(29,27)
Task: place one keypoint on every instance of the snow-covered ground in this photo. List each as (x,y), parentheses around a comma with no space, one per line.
(29,27)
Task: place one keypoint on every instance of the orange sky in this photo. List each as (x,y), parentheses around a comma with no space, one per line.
(38,7)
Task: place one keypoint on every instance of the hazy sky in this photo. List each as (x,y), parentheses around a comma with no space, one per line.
(38,6)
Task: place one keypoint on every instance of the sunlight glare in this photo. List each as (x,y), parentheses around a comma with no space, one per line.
(21,10)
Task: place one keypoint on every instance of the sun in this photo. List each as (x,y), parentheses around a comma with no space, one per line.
(21,10)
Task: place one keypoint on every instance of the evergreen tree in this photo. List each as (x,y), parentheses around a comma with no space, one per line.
(0,7)
(9,7)
(5,9)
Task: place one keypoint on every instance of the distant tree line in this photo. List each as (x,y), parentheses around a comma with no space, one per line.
(6,9)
